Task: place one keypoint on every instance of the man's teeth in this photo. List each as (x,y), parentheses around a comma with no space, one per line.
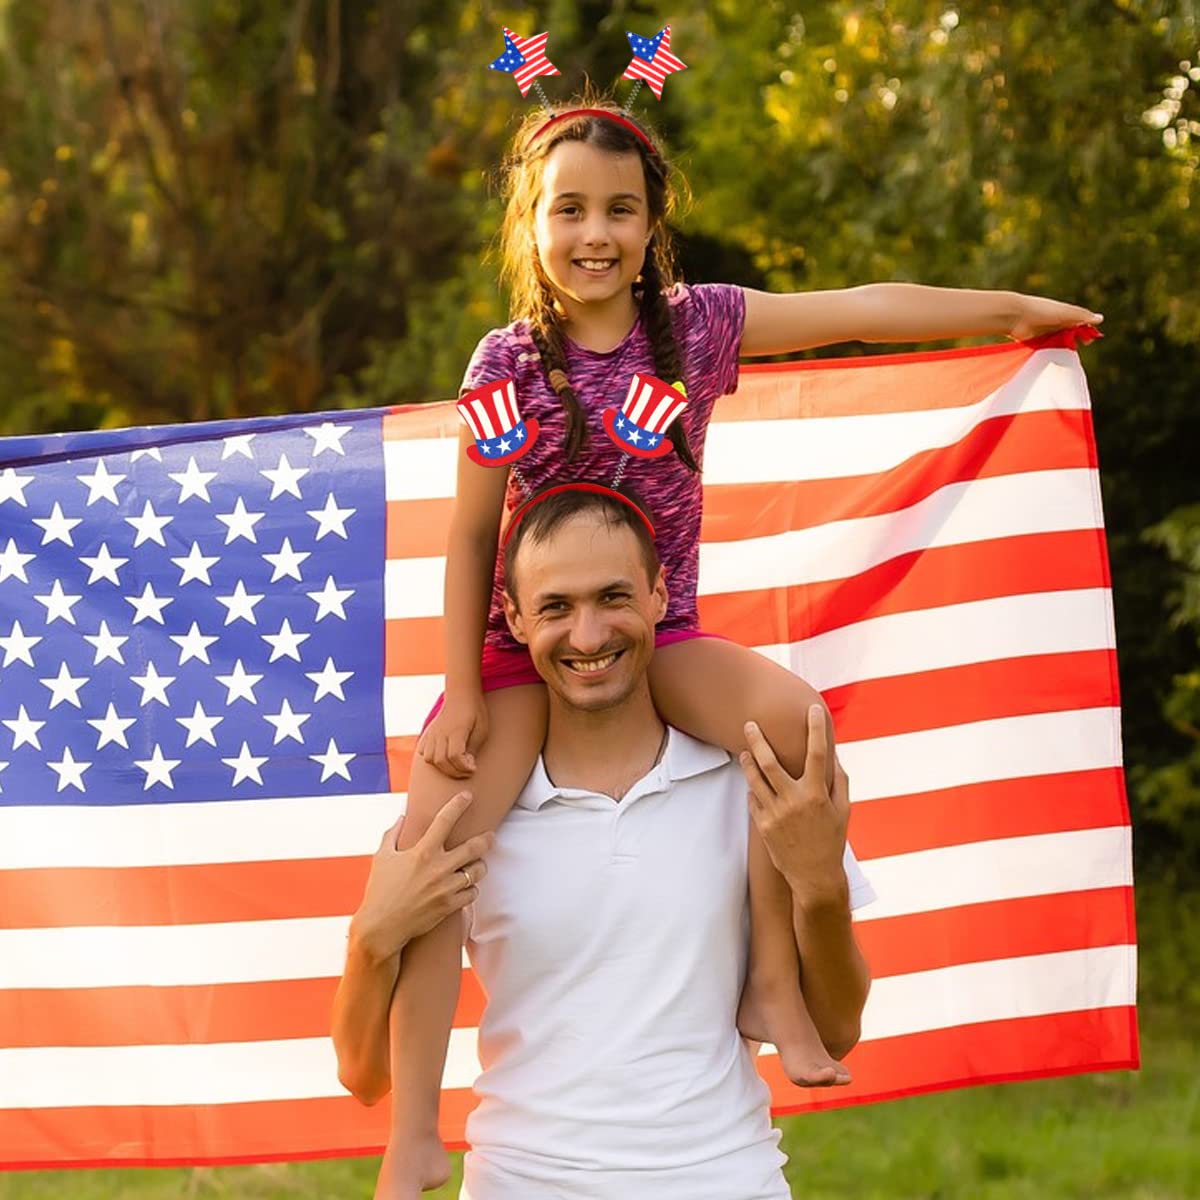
(598,665)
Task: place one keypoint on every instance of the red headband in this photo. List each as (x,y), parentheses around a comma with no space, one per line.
(597,488)
(595,112)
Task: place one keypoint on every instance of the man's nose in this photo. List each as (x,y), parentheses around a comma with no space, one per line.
(590,632)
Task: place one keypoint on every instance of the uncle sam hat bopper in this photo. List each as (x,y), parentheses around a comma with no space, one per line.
(491,413)
(640,427)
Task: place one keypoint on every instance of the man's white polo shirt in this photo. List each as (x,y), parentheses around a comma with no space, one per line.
(611,940)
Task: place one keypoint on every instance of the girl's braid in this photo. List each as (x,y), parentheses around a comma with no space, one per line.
(656,312)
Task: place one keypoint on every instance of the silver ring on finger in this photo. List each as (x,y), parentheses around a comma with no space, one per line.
(466,875)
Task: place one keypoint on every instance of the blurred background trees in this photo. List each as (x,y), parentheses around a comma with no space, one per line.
(215,208)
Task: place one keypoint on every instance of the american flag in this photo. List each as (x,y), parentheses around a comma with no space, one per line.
(652,59)
(525,59)
(919,535)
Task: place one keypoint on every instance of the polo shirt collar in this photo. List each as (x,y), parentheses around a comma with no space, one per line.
(683,758)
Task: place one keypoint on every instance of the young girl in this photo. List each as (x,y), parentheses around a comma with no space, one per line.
(587,257)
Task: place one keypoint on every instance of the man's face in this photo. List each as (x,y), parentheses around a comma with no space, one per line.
(587,611)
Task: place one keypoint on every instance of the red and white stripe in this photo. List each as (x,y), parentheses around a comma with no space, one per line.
(928,550)
(533,51)
(652,405)
(491,410)
(658,68)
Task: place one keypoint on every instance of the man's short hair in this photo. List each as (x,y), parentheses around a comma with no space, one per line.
(545,516)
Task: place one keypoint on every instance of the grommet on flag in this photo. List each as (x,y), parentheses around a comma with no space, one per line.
(491,413)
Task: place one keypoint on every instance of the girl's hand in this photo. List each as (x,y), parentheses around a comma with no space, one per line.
(1039,314)
(455,734)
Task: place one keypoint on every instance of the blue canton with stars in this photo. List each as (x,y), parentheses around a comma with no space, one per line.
(510,60)
(186,612)
(645,48)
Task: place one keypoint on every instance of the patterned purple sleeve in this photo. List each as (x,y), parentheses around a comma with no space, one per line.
(712,337)
(494,359)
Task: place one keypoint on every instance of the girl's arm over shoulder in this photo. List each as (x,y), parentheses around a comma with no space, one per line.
(470,562)
(783,323)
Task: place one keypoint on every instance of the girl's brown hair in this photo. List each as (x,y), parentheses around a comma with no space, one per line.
(533,298)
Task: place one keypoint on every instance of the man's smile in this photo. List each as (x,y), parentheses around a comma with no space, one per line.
(591,666)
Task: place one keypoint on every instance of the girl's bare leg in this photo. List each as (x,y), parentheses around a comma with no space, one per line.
(426,994)
(710,688)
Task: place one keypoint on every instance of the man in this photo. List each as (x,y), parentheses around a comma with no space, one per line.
(611,937)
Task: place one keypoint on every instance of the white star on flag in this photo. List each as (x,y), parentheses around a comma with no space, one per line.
(70,772)
(149,606)
(331,519)
(158,768)
(64,687)
(12,486)
(195,565)
(333,762)
(57,527)
(149,526)
(240,522)
(154,686)
(200,726)
(285,643)
(245,766)
(111,727)
(239,444)
(285,478)
(146,452)
(331,599)
(59,604)
(240,605)
(193,483)
(12,562)
(327,436)
(240,684)
(193,644)
(25,730)
(287,561)
(329,680)
(287,723)
(101,485)
(108,645)
(18,645)
(103,565)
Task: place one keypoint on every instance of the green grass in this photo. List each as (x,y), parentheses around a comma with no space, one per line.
(1114,1136)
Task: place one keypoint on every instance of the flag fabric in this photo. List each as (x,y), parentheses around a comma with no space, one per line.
(220,641)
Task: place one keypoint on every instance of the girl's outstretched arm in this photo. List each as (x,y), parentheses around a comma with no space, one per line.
(782,323)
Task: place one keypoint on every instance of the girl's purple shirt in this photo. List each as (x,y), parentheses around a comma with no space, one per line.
(709,319)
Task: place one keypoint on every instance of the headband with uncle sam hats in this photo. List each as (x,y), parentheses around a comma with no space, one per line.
(492,416)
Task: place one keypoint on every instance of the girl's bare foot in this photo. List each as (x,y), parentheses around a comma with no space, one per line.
(774,1011)
(410,1166)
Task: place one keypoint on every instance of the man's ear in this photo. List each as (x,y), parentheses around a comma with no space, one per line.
(660,595)
(512,614)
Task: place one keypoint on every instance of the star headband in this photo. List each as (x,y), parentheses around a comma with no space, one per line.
(525,59)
